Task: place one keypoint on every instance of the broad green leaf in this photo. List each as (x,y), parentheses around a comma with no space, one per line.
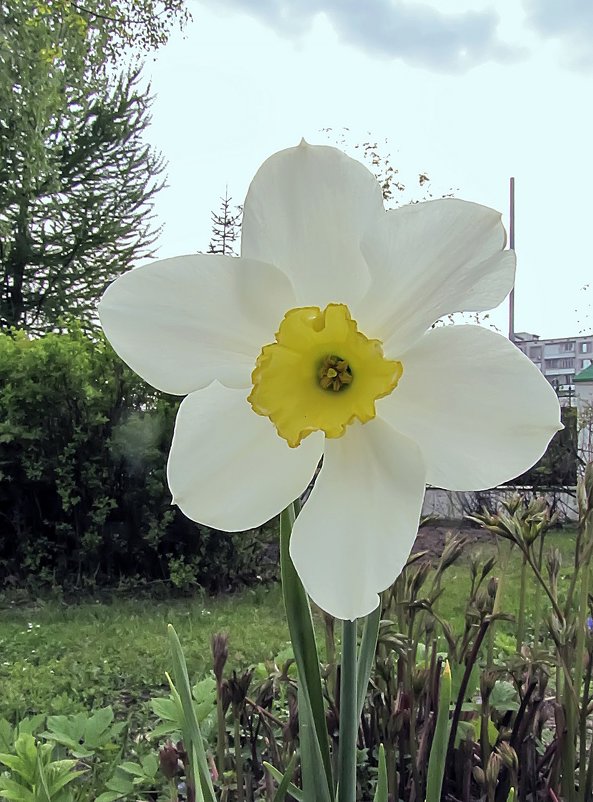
(6,736)
(121,783)
(10,789)
(14,763)
(132,768)
(31,724)
(97,725)
(165,709)
(504,697)
(168,728)
(150,764)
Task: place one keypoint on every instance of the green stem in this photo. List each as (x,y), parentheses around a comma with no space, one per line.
(238,758)
(521,615)
(575,572)
(537,605)
(582,615)
(221,739)
(551,596)
(348,716)
(568,751)
(330,653)
(583,772)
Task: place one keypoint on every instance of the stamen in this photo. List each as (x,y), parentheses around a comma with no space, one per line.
(334,373)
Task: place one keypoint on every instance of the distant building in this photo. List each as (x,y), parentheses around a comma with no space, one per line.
(584,404)
(559,359)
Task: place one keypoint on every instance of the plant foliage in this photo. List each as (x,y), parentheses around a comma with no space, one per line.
(83,492)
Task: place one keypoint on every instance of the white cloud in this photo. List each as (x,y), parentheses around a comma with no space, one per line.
(414,32)
(570,22)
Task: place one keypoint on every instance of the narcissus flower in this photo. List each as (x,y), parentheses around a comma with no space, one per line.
(318,341)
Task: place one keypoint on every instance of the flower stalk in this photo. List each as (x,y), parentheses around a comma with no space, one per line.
(348,715)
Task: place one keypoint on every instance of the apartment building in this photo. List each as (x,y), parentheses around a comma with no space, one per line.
(559,359)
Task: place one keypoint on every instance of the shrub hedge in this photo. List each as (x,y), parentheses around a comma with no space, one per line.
(83,492)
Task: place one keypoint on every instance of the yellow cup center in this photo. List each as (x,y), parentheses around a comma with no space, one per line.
(321,374)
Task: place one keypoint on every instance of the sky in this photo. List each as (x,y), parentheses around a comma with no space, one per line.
(467,91)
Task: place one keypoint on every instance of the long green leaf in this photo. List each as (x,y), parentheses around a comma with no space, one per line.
(196,751)
(285,781)
(366,655)
(310,756)
(292,789)
(381,793)
(438,750)
(302,635)
(43,779)
(194,767)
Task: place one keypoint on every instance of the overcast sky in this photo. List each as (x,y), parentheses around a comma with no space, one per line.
(468,91)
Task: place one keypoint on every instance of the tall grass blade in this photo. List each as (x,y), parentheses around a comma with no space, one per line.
(203,781)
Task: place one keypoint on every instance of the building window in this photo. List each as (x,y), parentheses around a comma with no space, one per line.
(567,346)
(585,348)
(586,363)
(535,352)
(559,363)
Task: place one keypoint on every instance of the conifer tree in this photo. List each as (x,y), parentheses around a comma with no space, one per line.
(226,227)
(77,178)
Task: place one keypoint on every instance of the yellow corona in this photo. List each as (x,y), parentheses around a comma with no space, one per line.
(321,374)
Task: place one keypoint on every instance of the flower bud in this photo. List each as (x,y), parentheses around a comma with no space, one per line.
(479,776)
(487,683)
(508,756)
(493,769)
(169,760)
(220,653)
(419,678)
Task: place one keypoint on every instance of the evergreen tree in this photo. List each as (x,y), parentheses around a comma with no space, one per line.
(76,177)
(226,227)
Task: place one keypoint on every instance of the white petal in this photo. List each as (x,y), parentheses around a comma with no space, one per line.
(480,410)
(181,323)
(430,259)
(228,468)
(306,211)
(355,532)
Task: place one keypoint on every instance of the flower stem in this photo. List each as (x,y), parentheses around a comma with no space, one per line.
(348,716)
(522,596)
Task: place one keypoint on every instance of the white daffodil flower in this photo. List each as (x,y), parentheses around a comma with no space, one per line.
(318,341)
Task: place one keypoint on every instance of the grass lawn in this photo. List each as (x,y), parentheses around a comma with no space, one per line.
(452,602)
(57,658)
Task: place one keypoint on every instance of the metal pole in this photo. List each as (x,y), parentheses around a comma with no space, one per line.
(512,247)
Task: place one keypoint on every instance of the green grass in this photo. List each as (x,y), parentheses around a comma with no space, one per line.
(58,658)
(457,582)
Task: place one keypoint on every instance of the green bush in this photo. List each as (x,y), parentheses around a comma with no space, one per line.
(83,492)
(558,466)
